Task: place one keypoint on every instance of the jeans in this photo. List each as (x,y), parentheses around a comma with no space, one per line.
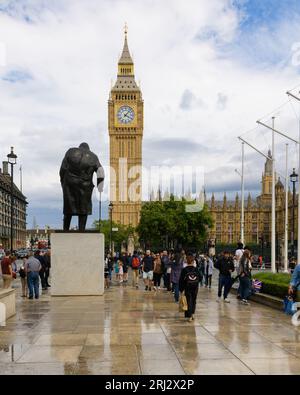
(167,281)
(226,282)
(47,274)
(176,292)
(191,298)
(245,285)
(157,279)
(208,280)
(43,278)
(33,281)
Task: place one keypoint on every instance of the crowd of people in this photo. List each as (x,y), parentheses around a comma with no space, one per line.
(179,273)
(176,272)
(33,271)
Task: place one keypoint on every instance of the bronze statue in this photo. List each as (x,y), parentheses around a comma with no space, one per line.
(76,177)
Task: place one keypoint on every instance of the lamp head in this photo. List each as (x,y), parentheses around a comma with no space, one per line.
(294,176)
(12,157)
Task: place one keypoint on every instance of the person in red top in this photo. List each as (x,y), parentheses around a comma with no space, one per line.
(6,271)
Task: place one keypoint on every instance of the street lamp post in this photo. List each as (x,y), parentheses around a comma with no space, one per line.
(12,160)
(294,180)
(110,207)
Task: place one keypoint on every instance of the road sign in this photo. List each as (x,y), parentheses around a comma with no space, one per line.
(115,229)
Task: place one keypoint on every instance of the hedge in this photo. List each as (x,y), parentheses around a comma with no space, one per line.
(274,284)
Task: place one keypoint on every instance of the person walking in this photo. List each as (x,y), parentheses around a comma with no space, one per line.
(245,276)
(157,272)
(208,270)
(189,284)
(23,277)
(47,260)
(106,274)
(147,268)
(166,263)
(32,269)
(7,272)
(200,263)
(135,265)
(41,259)
(124,260)
(177,261)
(116,267)
(225,266)
(121,272)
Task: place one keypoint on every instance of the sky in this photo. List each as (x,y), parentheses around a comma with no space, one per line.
(208,71)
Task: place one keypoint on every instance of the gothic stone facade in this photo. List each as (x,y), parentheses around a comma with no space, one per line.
(19,212)
(227,214)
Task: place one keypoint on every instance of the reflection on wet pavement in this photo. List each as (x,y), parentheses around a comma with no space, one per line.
(132,332)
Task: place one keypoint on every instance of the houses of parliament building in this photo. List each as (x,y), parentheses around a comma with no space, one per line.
(227,214)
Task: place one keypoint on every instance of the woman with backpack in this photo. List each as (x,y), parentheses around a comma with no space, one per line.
(245,276)
(189,284)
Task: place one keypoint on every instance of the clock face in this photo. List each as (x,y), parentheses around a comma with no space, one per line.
(125,115)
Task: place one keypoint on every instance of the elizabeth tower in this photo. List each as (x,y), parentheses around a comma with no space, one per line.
(125,124)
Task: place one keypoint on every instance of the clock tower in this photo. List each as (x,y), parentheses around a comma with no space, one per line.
(125,124)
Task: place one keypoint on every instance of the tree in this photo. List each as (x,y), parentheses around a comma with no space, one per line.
(119,237)
(165,223)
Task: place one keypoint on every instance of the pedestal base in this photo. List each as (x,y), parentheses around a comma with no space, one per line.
(77,264)
(7,304)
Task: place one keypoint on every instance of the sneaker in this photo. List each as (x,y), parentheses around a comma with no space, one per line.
(149,288)
(155,289)
(190,319)
(193,318)
(137,287)
(244,301)
(226,300)
(218,300)
(146,288)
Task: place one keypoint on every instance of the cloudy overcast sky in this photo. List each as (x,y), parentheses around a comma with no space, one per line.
(208,71)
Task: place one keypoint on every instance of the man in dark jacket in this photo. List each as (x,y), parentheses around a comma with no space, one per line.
(225,266)
(47,259)
(42,272)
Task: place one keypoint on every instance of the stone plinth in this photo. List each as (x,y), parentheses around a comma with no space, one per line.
(7,304)
(77,264)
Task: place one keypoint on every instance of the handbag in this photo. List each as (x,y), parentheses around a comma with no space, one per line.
(183,306)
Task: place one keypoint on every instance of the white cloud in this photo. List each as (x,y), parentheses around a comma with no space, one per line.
(71,50)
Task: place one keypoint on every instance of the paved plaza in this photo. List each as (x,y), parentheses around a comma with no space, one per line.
(132,332)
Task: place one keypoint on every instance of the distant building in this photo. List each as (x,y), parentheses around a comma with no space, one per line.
(19,212)
(39,238)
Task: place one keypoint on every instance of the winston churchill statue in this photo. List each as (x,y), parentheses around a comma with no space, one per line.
(76,177)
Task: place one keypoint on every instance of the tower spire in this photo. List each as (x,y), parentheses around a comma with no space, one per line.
(126,58)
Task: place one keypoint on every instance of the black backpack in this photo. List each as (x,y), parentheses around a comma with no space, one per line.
(192,279)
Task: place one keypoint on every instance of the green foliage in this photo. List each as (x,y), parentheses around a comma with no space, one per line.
(274,284)
(119,237)
(169,220)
